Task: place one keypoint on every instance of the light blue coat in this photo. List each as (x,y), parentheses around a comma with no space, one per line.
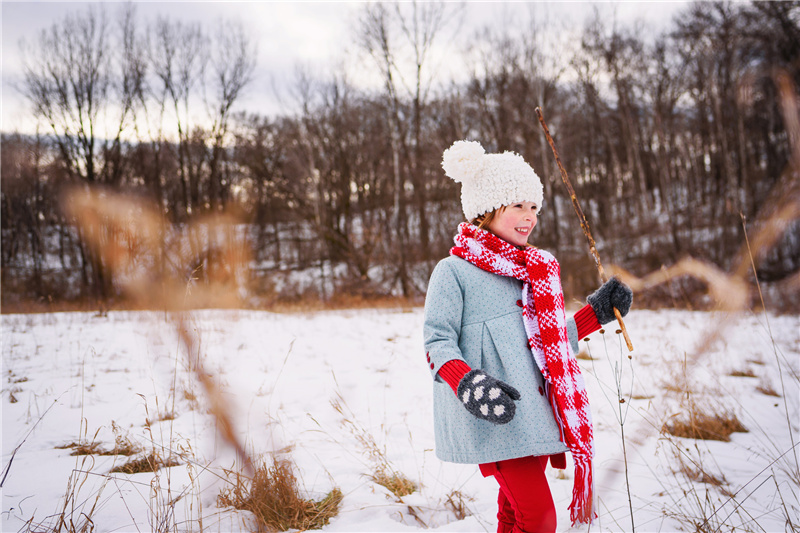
(476,316)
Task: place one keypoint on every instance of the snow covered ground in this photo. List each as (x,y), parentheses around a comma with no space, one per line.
(75,376)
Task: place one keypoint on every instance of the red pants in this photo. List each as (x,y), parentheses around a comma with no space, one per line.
(524,503)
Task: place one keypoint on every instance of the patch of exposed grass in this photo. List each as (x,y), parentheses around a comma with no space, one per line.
(191,397)
(149,463)
(122,446)
(743,373)
(273,496)
(642,397)
(82,448)
(767,390)
(160,418)
(704,426)
(678,383)
(397,483)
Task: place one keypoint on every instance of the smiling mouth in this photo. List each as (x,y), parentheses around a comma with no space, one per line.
(523,230)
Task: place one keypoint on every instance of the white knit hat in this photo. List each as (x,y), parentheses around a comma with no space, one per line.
(490,181)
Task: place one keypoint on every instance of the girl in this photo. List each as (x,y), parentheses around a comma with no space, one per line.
(508,393)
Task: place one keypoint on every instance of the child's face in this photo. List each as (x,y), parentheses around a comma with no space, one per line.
(514,223)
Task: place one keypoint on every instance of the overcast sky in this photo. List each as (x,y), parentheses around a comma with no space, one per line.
(319,35)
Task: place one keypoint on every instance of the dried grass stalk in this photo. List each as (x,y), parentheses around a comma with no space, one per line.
(155,265)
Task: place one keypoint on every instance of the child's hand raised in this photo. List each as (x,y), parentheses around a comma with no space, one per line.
(487,398)
(612,294)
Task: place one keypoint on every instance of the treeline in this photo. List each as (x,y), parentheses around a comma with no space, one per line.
(669,140)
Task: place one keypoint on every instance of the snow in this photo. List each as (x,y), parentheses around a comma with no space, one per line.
(74,374)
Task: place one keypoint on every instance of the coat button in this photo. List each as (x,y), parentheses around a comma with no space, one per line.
(432,366)
(519,303)
(541,391)
(428,355)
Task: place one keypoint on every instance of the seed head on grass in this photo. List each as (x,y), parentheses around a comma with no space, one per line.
(273,496)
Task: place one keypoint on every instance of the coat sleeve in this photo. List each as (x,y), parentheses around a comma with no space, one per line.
(572,333)
(444,305)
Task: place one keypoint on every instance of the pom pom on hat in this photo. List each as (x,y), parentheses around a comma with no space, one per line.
(463,160)
(490,181)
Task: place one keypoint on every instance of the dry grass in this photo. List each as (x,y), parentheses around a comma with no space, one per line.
(743,373)
(200,264)
(767,390)
(151,462)
(396,482)
(642,396)
(82,448)
(273,496)
(384,473)
(11,397)
(123,445)
(340,301)
(702,476)
(679,385)
(704,425)
(160,418)
(291,303)
(457,504)
(191,398)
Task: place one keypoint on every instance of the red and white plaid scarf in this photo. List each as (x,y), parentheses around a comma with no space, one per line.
(546,325)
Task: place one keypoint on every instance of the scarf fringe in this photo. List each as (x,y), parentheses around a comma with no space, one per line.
(581,508)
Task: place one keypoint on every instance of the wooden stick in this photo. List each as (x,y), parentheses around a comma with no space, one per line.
(584,223)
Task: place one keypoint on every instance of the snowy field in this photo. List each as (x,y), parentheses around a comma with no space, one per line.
(75,377)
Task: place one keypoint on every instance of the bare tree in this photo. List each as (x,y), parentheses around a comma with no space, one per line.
(83,90)
(178,56)
(385,31)
(233,60)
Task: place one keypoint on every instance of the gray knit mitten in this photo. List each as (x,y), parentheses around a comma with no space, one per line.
(612,294)
(487,398)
